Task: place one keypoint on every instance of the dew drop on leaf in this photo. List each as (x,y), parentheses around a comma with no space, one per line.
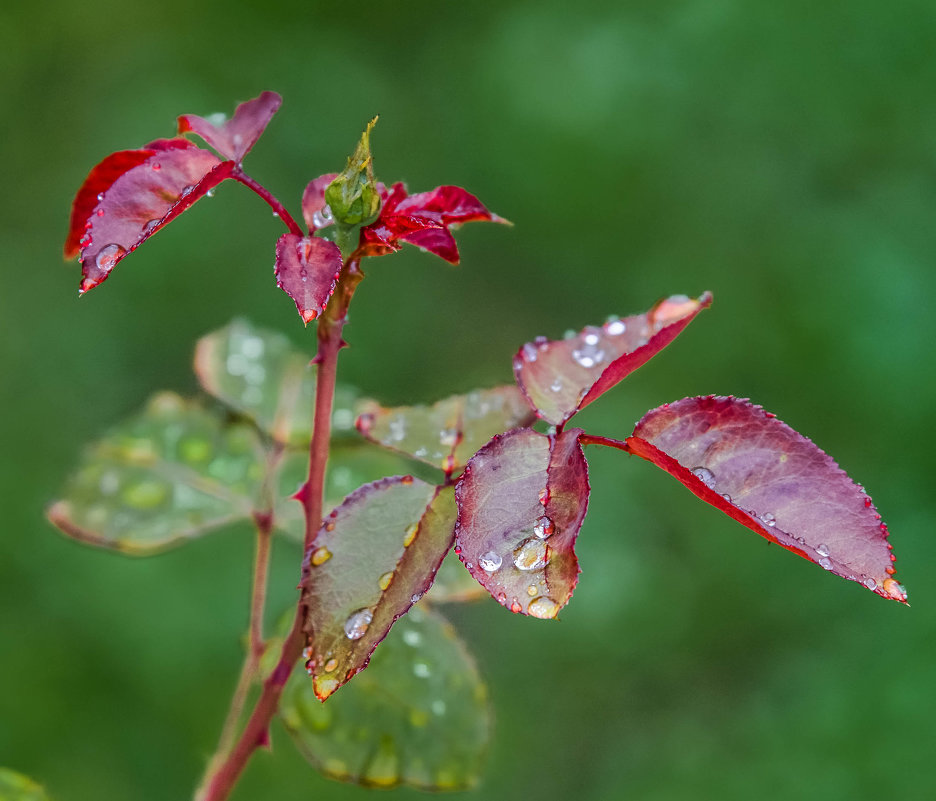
(531,555)
(704,475)
(543,528)
(543,607)
(320,556)
(108,256)
(356,625)
(490,561)
(822,550)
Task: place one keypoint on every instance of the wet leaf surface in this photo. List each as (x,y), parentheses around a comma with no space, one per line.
(17,787)
(259,373)
(234,137)
(172,473)
(134,194)
(307,269)
(447,433)
(315,210)
(560,377)
(423,219)
(373,558)
(521,503)
(418,715)
(453,582)
(742,460)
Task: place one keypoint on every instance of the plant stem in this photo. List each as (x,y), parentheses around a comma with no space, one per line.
(278,208)
(588,439)
(224,776)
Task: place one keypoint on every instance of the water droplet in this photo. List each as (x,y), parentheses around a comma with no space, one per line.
(615,327)
(320,556)
(530,352)
(307,653)
(531,590)
(592,336)
(825,563)
(356,625)
(385,580)
(515,607)
(108,256)
(704,475)
(589,354)
(330,665)
(543,607)
(210,193)
(415,597)
(822,550)
(100,197)
(330,525)
(531,555)
(323,217)
(895,590)
(448,437)
(870,583)
(421,670)
(157,165)
(490,562)
(275,214)
(410,535)
(412,638)
(150,227)
(543,528)
(768,519)
(186,190)
(544,496)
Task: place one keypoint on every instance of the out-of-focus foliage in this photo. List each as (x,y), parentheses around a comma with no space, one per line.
(778,154)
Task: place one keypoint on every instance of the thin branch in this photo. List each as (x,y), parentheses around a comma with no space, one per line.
(278,208)
(588,439)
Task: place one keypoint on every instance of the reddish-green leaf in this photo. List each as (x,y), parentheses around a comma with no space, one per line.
(742,460)
(135,193)
(374,558)
(447,433)
(418,715)
(561,377)
(168,475)
(422,220)
(521,502)
(234,137)
(307,269)
(315,210)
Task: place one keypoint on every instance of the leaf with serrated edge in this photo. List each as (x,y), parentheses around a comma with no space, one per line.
(449,432)
(521,503)
(418,716)
(168,475)
(139,201)
(759,471)
(373,558)
(258,373)
(233,138)
(307,269)
(561,377)
(17,787)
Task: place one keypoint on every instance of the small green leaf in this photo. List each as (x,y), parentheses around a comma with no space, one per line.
(172,473)
(448,433)
(353,196)
(375,557)
(259,374)
(418,716)
(17,787)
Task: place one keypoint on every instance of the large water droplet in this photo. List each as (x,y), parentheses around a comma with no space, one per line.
(323,217)
(543,528)
(531,555)
(895,590)
(490,561)
(385,580)
(410,535)
(320,556)
(590,353)
(822,550)
(825,563)
(356,625)
(768,519)
(543,607)
(870,583)
(704,475)
(448,437)
(108,256)
(615,327)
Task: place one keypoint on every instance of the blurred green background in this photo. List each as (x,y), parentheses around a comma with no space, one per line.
(780,155)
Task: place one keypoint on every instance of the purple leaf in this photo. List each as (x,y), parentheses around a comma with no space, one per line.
(307,269)
(315,210)
(561,377)
(233,138)
(742,460)
(156,184)
(374,558)
(521,502)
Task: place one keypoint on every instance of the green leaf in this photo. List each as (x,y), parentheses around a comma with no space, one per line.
(447,433)
(350,465)
(375,557)
(17,787)
(418,716)
(172,473)
(259,374)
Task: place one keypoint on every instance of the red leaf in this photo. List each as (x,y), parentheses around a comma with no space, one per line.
(560,377)
(422,220)
(233,138)
(742,460)
(307,269)
(315,211)
(521,503)
(137,193)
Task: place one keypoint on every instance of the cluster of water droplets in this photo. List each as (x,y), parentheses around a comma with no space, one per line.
(590,353)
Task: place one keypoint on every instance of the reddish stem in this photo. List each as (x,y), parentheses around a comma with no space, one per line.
(278,208)
(588,439)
